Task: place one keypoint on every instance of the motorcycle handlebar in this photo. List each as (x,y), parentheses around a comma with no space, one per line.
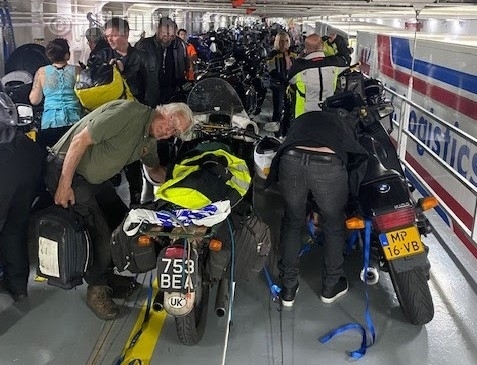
(226,131)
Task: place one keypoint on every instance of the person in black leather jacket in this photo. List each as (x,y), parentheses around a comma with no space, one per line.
(131,61)
(167,62)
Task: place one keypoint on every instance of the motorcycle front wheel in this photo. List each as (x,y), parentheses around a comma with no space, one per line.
(414,296)
(190,328)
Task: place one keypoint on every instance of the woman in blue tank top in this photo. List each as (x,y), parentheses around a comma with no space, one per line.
(56,83)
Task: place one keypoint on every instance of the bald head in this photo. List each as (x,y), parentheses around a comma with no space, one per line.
(313,43)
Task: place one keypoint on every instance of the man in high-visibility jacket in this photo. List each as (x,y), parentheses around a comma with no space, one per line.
(335,44)
(313,78)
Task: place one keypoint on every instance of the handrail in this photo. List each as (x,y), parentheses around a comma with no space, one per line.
(472,232)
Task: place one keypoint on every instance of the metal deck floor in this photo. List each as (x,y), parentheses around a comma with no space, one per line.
(55,327)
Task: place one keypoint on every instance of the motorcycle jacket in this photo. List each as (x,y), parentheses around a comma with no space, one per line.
(325,129)
(277,66)
(160,67)
(313,83)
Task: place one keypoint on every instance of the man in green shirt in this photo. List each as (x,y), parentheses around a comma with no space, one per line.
(89,154)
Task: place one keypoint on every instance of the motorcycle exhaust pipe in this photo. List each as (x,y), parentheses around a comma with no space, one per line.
(158,302)
(372,276)
(222,298)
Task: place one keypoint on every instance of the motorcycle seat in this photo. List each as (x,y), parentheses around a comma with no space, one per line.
(377,171)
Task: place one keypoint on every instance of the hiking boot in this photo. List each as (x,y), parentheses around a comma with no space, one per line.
(287,295)
(98,298)
(331,294)
(122,286)
(17,294)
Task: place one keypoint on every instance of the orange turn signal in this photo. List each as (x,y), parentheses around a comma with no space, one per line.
(355,223)
(428,202)
(215,245)
(144,241)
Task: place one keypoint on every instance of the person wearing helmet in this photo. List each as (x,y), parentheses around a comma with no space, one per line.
(20,166)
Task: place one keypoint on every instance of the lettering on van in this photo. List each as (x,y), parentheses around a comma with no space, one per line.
(461,155)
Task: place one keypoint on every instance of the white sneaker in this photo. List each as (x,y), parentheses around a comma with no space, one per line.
(272,126)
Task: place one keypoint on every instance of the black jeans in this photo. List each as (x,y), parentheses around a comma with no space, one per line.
(20,168)
(326,177)
(278,99)
(102,210)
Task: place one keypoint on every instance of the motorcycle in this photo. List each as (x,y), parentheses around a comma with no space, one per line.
(194,246)
(385,203)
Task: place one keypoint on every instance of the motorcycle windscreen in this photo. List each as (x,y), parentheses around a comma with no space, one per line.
(214,95)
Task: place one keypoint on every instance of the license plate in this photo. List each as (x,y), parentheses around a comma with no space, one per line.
(177,274)
(401,243)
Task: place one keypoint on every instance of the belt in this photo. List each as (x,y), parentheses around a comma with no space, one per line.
(313,155)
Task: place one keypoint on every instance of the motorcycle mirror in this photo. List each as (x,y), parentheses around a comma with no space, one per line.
(385,109)
(25,114)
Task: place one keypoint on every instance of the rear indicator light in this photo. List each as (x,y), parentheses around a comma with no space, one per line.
(428,202)
(395,219)
(144,241)
(355,223)
(215,245)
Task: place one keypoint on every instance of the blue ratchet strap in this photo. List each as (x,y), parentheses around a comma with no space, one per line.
(351,243)
(139,332)
(306,248)
(356,354)
(274,289)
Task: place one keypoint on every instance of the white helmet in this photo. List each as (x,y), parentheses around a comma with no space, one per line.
(8,110)
(263,154)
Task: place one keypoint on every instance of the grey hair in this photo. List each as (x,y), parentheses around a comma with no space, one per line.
(178,109)
(94,34)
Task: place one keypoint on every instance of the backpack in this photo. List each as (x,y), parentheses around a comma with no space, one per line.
(100,84)
(64,247)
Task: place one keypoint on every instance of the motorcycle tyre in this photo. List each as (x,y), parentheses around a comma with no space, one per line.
(190,328)
(414,296)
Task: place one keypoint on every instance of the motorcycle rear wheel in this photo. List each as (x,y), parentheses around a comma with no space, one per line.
(190,328)
(414,296)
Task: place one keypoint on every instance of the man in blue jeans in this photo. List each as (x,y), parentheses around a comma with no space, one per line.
(320,155)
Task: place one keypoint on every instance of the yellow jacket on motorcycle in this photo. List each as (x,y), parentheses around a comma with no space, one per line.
(206,178)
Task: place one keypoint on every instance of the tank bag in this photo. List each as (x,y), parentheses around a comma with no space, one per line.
(64,247)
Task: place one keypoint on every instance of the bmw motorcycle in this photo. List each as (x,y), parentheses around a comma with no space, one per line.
(396,223)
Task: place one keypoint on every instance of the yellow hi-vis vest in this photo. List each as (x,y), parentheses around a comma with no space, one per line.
(300,95)
(299,89)
(206,178)
(329,49)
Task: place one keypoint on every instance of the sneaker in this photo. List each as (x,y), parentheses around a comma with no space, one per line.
(98,299)
(331,294)
(122,286)
(272,126)
(287,295)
